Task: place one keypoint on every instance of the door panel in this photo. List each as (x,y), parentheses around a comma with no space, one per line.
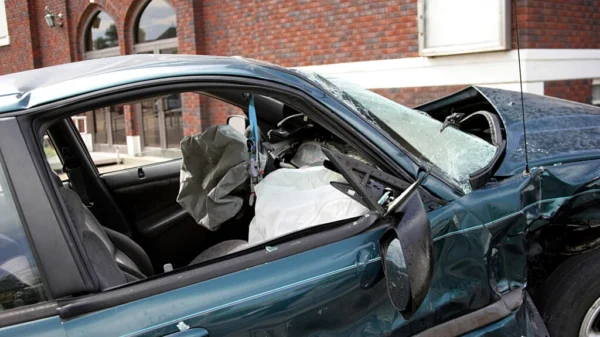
(147,197)
(334,290)
(47,327)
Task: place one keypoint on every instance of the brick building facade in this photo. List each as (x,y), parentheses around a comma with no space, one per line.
(381,44)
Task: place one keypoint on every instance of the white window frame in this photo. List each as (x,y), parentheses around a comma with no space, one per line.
(595,83)
(502,42)
(4,36)
(76,119)
(96,54)
(154,47)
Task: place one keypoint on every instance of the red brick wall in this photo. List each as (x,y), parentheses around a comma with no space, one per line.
(218,111)
(573,90)
(191,114)
(131,122)
(558,23)
(60,45)
(294,33)
(200,111)
(290,33)
(287,32)
(412,97)
(53,42)
(18,56)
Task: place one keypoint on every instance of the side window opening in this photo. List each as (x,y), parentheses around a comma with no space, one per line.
(242,188)
(144,132)
(52,157)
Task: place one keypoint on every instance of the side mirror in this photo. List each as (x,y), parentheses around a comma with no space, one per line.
(406,252)
(238,122)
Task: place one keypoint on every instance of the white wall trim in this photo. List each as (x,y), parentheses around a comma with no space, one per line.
(134,145)
(4,36)
(492,68)
(87,140)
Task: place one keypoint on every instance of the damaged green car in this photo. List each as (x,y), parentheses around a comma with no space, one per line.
(318,208)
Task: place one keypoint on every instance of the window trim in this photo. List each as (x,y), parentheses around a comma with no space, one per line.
(4,39)
(154,46)
(101,53)
(28,313)
(503,37)
(595,83)
(139,11)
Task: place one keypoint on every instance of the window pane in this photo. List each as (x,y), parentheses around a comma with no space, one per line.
(20,283)
(596,94)
(157,22)
(51,155)
(117,116)
(102,33)
(150,122)
(173,120)
(100,126)
(169,51)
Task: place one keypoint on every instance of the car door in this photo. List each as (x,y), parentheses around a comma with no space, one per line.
(36,264)
(327,281)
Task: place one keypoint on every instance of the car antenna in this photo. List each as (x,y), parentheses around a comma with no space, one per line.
(521,84)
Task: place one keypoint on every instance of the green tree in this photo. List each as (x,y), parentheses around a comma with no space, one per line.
(100,43)
(111,36)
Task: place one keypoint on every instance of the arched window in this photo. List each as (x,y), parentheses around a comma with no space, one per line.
(157,22)
(100,39)
(155,32)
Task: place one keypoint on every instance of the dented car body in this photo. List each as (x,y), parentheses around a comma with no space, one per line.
(464,251)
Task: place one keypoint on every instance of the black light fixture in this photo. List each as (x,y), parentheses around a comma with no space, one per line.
(50,18)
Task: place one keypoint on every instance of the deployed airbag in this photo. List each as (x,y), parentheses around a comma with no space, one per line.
(213,172)
(289,200)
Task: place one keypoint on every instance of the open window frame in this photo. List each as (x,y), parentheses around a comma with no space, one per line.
(37,120)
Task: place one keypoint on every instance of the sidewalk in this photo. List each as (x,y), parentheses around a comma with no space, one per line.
(108,162)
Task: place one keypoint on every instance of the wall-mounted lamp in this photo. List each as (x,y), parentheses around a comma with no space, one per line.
(50,18)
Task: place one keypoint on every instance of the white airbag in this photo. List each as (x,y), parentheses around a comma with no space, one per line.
(289,200)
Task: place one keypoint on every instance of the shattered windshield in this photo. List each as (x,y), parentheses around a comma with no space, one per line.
(457,154)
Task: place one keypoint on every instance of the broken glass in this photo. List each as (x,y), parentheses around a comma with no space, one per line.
(457,154)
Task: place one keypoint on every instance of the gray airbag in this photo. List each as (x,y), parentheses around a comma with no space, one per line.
(213,169)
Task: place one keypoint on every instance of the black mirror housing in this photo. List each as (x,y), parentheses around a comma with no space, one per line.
(406,251)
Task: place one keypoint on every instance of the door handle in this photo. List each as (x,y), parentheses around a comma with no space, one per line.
(195,332)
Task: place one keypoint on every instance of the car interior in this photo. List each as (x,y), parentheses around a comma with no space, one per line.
(230,191)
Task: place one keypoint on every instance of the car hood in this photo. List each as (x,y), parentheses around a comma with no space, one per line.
(558,131)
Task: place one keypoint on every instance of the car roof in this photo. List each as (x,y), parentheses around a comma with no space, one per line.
(28,89)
